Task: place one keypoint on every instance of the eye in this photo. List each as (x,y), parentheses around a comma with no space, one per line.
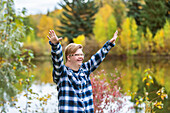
(76,54)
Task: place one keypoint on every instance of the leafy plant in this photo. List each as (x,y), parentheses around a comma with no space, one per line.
(105,93)
(151,99)
(13,59)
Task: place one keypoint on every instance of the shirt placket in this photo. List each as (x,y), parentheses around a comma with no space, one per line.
(81,92)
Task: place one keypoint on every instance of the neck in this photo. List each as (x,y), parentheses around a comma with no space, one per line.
(73,67)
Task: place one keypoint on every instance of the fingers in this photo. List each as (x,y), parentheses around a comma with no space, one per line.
(116,32)
(59,39)
(53,33)
(48,37)
(50,33)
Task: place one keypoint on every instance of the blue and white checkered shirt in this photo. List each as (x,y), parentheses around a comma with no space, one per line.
(74,89)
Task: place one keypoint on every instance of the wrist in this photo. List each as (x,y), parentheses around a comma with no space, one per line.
(53,43)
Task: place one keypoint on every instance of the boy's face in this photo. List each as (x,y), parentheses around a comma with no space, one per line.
(77,58)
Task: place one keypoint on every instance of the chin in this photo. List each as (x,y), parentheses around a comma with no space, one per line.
(79,64)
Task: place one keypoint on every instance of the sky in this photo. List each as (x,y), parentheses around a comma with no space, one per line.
(36,6)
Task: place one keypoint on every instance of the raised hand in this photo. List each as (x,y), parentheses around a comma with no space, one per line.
(53,37)
(114,37)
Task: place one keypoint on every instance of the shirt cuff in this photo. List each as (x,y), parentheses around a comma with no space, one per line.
(111,44)
(54,46)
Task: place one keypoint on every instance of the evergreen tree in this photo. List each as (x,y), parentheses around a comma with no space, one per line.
(168,6)
(153,15)
(134,7)
(77,18)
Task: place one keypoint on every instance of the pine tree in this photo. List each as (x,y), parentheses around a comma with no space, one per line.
(77,18)
(134,7)
(153,15)
(168,6)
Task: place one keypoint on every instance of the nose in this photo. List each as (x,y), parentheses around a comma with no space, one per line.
(82,57)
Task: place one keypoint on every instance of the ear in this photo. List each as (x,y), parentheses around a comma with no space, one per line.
(68,58)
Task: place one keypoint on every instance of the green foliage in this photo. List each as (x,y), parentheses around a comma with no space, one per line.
(168,6)
(11,55)
(134,11)
(153,15)
(77,18)
(119,11)
(148,14)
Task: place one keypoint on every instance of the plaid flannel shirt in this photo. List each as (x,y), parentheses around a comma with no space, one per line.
(75,90)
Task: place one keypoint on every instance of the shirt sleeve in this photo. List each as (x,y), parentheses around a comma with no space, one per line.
(97,58)
(57,59)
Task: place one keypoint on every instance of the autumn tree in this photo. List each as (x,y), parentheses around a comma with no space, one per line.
(55,15)
(167,37)
(105,24)
(119,11)
(77,18)
(118,7)
(46,23)
(129,38)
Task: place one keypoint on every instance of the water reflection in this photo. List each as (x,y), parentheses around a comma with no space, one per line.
(133,71)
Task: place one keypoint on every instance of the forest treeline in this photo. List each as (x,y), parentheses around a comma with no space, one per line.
(143,25)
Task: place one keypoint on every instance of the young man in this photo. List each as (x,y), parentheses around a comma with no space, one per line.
(73,79)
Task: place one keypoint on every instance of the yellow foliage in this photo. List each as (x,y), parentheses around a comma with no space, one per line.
(125,36)
(99,29)
(105,12)
(159,75)
(56,13)
(167,29)
(112,26)
(46,24)
(148,35)
(149,40)
(147,84)
(79,40)
(105,24)
(14,68)
(57,23)
(167,36)
(159,40)
(28,39)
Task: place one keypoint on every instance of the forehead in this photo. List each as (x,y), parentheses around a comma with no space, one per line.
(79,51)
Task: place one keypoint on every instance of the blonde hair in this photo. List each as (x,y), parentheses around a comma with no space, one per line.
(71,49)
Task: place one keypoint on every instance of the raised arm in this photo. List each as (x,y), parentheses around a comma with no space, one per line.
(97,58)
(57,55)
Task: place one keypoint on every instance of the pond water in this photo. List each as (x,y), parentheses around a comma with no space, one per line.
(132,70)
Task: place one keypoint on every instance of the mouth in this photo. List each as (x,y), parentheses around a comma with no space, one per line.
(80,60)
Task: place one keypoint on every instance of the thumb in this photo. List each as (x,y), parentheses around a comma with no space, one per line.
(59,39)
